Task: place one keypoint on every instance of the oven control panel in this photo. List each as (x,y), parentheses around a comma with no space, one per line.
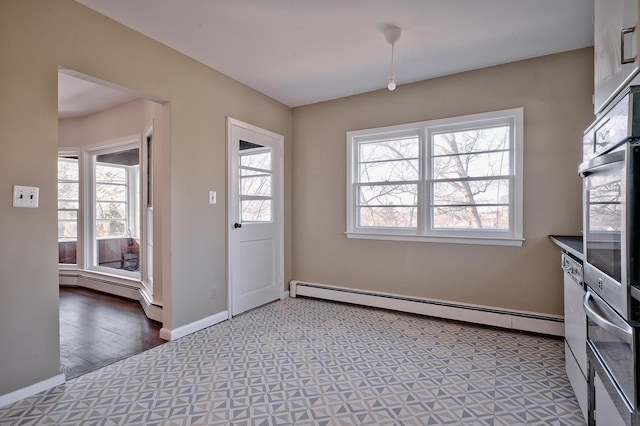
(621,122)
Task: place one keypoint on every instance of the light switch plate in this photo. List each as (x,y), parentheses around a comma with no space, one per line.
(26,196)
(212,197)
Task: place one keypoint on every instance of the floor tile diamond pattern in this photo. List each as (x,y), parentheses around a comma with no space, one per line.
(309,362)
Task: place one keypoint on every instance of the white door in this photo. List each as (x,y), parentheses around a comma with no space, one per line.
(255,226)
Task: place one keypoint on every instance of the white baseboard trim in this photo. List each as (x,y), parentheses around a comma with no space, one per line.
(151,310)
(176,333)
(107,287)
(478,314)
(69,280)
(126,288)
(31,390)
(118,287)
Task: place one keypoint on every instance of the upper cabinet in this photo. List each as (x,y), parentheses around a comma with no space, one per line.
(615,48)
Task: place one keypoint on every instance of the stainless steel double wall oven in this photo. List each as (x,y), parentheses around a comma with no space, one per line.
(611,232)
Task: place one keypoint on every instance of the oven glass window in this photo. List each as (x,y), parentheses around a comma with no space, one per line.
(604,210)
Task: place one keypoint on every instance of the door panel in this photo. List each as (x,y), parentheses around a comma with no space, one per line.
(255,283)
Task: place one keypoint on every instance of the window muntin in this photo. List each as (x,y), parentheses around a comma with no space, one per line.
(454,178)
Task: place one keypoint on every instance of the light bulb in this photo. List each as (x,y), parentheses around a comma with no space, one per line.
(392,85)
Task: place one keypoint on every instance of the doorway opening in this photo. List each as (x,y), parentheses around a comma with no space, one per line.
(105,222)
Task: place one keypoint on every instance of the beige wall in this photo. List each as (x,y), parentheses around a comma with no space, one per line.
(555,92)
(37,37)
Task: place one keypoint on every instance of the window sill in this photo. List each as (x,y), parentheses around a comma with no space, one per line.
(488,241)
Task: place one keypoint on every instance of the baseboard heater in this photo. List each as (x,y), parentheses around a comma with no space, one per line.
(517,320)
(117,288)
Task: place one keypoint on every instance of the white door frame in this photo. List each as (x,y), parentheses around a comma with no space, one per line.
(232,150)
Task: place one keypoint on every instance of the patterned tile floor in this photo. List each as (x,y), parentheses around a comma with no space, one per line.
(309,362)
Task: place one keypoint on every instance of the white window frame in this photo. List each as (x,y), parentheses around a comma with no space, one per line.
(147,170)
(263,172)
(127,189)
(90,154)
(424,231)
(75,152)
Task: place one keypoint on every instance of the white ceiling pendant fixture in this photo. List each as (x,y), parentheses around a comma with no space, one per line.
(392,34)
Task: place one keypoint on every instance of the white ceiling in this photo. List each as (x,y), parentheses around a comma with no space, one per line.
(78,97)
(305,51)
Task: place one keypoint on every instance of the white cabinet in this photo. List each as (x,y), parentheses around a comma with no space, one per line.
(575,321)
(615,48)
(606,412)
(575,331)
(575,334)
(577,380)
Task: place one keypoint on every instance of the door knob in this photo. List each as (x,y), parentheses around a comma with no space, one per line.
(237,225)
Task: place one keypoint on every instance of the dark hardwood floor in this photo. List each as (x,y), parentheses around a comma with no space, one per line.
(97,329)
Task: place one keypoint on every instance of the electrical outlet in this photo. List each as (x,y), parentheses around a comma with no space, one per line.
(214,293)
(26,196)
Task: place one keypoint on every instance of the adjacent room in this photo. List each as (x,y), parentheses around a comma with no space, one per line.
(105,223)
(353,212)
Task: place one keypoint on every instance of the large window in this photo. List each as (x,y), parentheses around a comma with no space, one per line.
(449,180)
(116,209)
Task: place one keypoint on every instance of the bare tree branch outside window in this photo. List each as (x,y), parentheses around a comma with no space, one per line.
(255,186)
(471,185)
(389,172)
(111,201)
(604,204)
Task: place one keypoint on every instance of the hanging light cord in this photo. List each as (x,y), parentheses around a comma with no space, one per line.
(392,79)
(392,34)
(393,46)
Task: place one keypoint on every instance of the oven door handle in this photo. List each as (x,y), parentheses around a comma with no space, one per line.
(605,318)
(600,162)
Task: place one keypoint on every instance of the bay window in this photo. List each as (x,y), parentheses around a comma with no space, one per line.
(99,208)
